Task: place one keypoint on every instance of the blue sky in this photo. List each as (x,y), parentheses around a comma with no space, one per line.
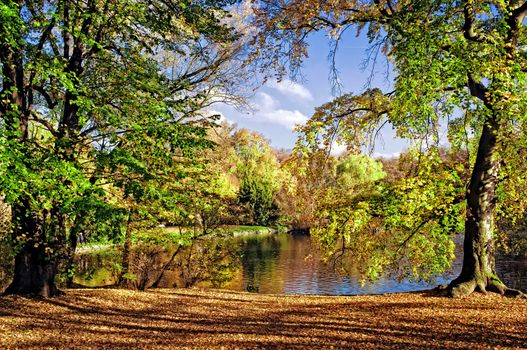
(278,106)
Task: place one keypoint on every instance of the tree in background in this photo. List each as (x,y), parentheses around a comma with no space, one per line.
(260,176)
(357,170)
(311,175)
(446,57)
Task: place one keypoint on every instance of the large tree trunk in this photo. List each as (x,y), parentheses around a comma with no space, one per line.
(35,269)
(479,271)
(34,274)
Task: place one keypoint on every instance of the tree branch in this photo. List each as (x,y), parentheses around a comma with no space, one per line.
(45,123)
(385,12)
(40,89)
(468,27)
(519,13)
(413,233)
(361,109)
(514,21)
(478,90)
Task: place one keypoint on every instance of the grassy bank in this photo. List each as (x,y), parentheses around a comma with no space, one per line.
(173,234)
(176,318)
(233,230)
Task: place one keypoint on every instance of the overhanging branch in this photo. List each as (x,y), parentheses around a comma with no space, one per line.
(478,90)
(469,32)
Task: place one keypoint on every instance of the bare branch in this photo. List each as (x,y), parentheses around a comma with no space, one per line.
(373,139)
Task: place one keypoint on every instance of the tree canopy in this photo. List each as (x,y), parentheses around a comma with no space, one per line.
(95,95)
(457,61)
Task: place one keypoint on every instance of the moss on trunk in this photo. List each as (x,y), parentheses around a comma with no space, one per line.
(479,269)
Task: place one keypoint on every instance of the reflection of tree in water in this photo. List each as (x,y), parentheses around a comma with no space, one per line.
(260,254)
(513,271)
(210,261)
(275,263)
(214,262)
(98,268)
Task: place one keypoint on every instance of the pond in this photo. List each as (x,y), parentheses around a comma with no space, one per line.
(265,263)
(290,264)
(278,264)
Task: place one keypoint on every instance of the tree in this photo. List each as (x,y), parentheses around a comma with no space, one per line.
(311,174)
(357,170)
(212,191)
(260,176)
(462,61)
(81,86)
(401,225)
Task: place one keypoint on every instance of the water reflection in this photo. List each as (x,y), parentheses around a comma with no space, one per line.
(278,264)
(513,272)
(288,264)
(291,264)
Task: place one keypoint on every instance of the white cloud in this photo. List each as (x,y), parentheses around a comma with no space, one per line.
(265,102)
(289,119)
(386,155)
(222,119)
(291,89)
(337,149)
(268,110)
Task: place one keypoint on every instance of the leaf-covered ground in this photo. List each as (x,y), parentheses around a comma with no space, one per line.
(175,318)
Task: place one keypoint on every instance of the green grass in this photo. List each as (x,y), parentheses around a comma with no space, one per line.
(244,228)
(171,235)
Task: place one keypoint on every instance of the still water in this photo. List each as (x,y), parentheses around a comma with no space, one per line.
(278,264)
(290,264)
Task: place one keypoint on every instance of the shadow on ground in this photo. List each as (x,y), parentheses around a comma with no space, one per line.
(108,318)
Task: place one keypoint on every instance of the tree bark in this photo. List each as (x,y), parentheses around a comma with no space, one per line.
(35,269)
(479,271)
(127,246)
(34,274)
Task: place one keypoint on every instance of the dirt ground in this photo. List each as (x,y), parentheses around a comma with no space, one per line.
(188,318)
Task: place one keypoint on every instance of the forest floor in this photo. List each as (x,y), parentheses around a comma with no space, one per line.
(190,318)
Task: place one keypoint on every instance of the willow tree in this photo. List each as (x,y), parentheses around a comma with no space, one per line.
(458,60)
(88,90)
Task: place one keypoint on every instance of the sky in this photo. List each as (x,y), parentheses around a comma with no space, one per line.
(278,106)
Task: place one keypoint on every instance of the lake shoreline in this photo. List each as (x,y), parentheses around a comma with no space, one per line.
(235,231)
(266,263)
(215,319)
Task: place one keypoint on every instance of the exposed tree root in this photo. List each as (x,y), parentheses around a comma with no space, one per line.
(515,293)
(461,289)
(458,289)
